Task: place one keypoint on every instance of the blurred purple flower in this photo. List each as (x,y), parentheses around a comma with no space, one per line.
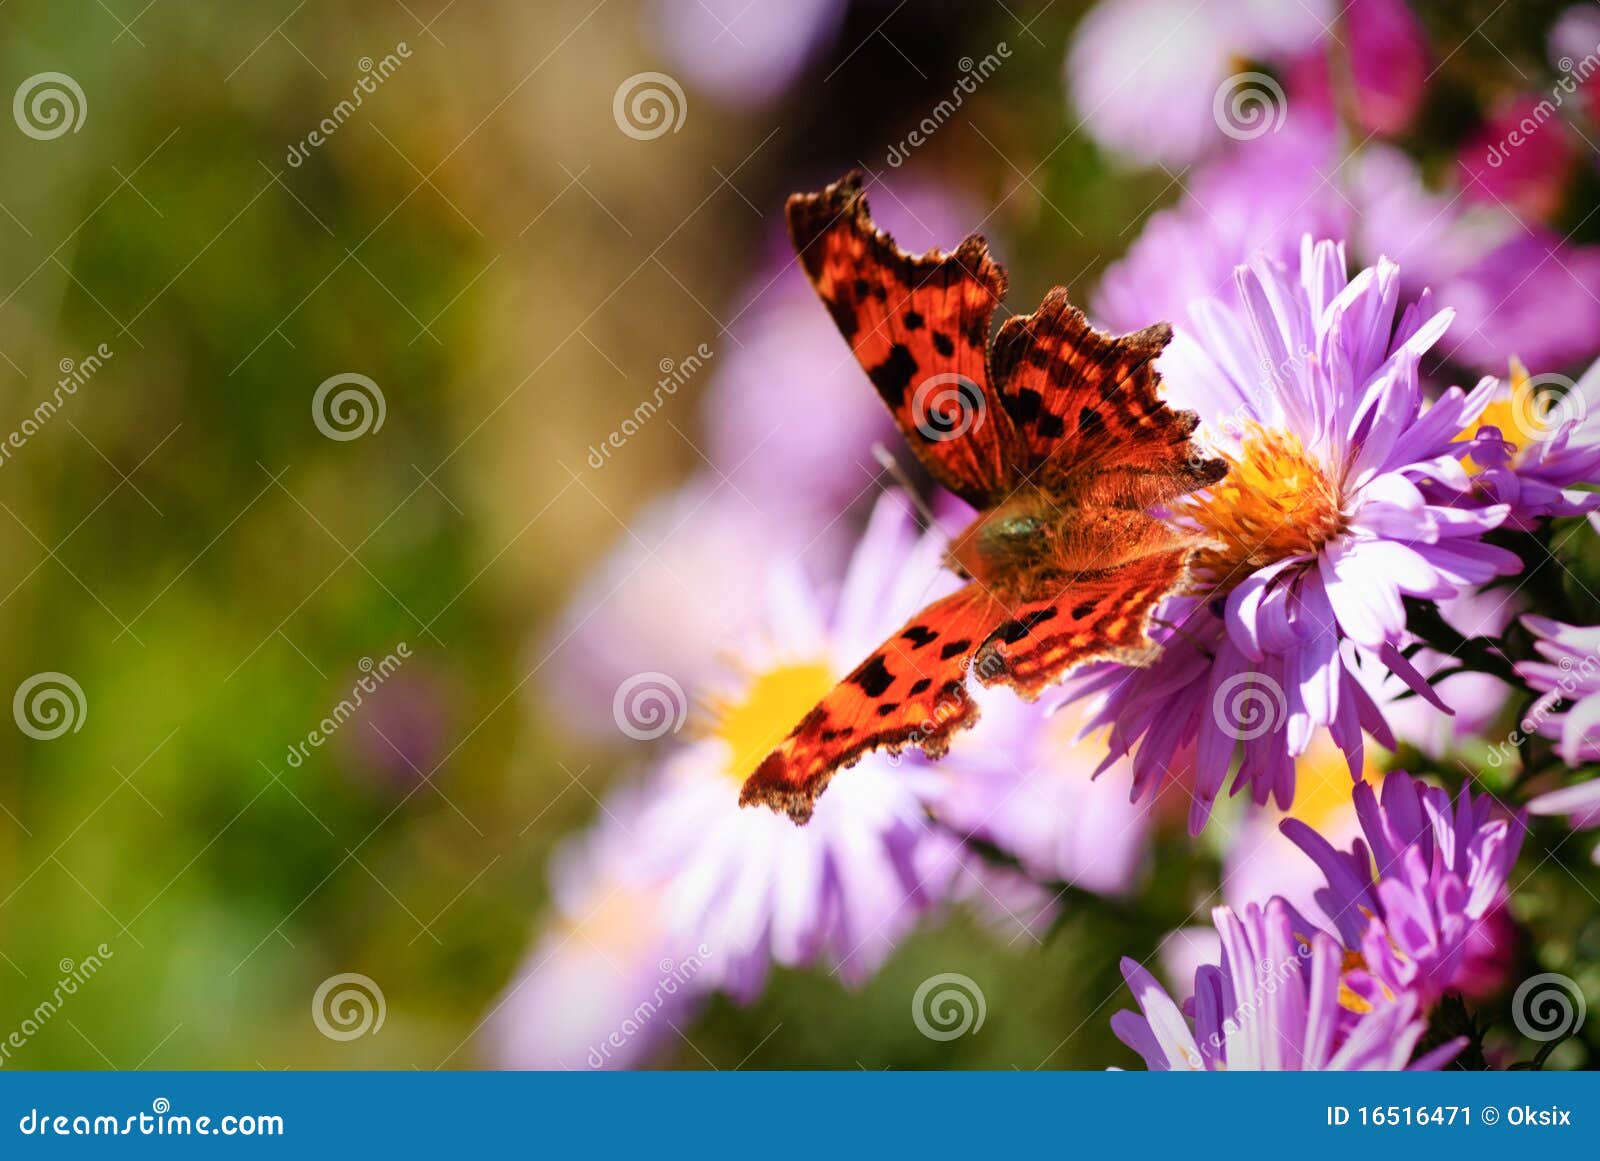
(1027,787)
(1274,1003)
(403,737)
(1474,699)
(1568,681)
(743,52)
(1580,804)
(1574,49)
(1330,515)
(1411,896)
(1517,288)
(846,888)
(1259,861)
(1153,79)
(1388,54)
(605,984)
(1258,199)
(1518,159)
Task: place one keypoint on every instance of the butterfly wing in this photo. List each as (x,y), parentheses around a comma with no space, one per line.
(912,691)
(1090,617)
(1086,413)
(919,326)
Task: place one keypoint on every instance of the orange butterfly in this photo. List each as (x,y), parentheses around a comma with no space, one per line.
(1055,432)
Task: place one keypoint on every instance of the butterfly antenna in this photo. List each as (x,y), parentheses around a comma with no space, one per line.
(897,473)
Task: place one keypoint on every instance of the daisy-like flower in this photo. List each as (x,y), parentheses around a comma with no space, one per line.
(1276,1002)
(845,889)
(1343,497)
(1423,897)
(1533,445)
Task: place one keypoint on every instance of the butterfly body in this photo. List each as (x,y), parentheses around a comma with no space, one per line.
(1054,431)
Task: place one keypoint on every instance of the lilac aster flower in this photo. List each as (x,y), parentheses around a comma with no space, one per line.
(843,890)
(1276,1002)
(1533,446)
(744,52)
(1414,895)
(1342,498)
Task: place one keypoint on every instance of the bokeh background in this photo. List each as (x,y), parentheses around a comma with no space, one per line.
(513,270)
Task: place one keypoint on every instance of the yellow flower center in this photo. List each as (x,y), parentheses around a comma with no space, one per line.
(772,704)
(1323,788)
(1275,502)
(1517,413)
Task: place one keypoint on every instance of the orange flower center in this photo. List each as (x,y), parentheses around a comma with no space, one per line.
(1275,502)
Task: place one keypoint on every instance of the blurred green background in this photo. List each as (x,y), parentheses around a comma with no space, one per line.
(180,539)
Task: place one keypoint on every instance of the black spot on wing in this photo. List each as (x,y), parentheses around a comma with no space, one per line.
(873,677)
(1082,610)
(942,344)
(913,320)
(1013,631)
(892,376)
(919,635)
(1022,406)
(953,648)
(921,685)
